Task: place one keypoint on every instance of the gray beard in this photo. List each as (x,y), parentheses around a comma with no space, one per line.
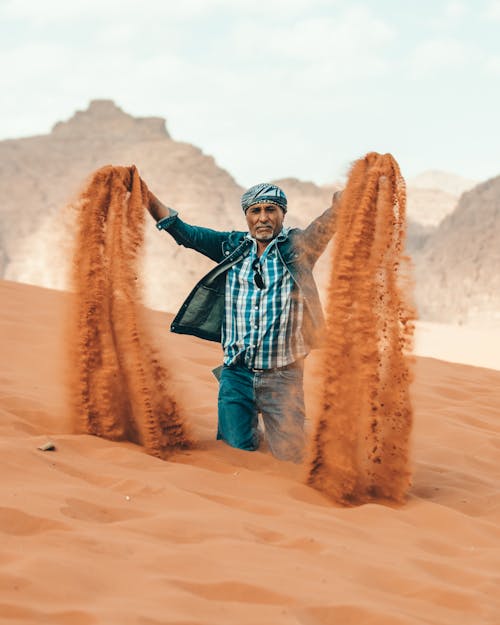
(264,237)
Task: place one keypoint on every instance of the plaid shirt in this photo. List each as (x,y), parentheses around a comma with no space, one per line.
(262,327)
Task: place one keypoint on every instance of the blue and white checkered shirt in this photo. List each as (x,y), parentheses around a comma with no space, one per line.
(262,327)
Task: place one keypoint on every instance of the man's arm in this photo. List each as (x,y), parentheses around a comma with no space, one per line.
(319,232)
(204,240)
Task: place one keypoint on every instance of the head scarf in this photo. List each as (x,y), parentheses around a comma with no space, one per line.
(264,192)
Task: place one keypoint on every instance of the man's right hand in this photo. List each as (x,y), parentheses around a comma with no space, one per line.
(156,209)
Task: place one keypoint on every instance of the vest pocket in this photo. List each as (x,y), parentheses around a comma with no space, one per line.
(205,310)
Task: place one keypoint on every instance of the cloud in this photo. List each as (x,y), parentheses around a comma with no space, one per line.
(455,9)
(346,46)
(30,63)
(434,56)
(492,11)
(52,11)
(447,16)
(493,66)
(301,61)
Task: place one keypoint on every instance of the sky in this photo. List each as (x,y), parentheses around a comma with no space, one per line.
(269,88)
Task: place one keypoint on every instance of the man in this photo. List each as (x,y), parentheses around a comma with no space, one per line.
(262,304)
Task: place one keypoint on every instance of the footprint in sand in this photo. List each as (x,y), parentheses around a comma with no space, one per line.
(87,511)
(265,535)
(240,504)
(346,615)
(270,537)
(19,613)
(20,523)
(238,592)
(436,547)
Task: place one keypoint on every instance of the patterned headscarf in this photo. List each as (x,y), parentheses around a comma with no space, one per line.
(263,192)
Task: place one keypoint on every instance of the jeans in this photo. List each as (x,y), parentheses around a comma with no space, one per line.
(277,395)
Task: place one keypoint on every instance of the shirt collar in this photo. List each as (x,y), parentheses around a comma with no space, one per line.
(283,235)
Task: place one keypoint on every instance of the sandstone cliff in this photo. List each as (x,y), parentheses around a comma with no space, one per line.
(442,181)
(40,176)
(457,277)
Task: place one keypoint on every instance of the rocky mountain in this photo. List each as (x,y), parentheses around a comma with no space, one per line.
(442,181)
(428,207)
(432,195)
(40,177)
(457,275)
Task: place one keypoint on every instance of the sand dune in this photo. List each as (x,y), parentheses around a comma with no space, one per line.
(101,532)
(468,345)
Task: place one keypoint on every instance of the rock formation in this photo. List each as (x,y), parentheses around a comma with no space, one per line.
(442,181)
(40,177)
(457,277)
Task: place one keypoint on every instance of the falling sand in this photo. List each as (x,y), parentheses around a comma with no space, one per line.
(360,447)
(119,388)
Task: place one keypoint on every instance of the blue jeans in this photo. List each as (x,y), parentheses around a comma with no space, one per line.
(277,395)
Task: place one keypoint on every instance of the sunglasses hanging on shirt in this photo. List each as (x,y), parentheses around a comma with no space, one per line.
(257,276)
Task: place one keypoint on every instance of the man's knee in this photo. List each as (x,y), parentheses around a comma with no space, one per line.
(234,439)
(288,446)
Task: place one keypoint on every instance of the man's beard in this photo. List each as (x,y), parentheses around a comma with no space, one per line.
(266,234)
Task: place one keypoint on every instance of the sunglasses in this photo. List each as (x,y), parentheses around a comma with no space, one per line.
(257,276)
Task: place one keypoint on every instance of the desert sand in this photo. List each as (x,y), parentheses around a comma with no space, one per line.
(100,532)
(469,345)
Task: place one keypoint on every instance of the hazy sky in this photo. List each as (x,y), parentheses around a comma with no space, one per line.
(270,88)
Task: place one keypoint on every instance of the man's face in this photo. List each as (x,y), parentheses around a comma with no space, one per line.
(264,221)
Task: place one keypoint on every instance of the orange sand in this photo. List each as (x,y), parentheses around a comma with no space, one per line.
(99,532)
(361,441)
(119,388)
